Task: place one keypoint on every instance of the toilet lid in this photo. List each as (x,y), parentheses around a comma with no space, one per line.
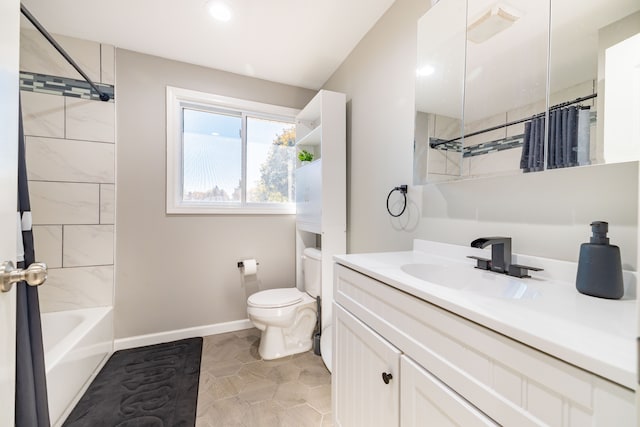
(272,298)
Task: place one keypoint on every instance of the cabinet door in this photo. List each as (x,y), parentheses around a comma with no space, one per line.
(361,395)
(426,401)
(309,197)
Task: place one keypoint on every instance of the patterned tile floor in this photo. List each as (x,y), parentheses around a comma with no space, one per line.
(238,388)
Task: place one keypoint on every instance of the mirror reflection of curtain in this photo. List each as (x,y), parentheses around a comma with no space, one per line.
(532,159)
(569,135)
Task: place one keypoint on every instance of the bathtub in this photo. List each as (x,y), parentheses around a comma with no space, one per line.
(76,344)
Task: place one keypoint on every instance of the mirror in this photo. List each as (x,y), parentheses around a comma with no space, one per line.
(440,91)
(595,51)
(517,86)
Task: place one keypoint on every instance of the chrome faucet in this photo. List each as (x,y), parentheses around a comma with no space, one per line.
(500,261)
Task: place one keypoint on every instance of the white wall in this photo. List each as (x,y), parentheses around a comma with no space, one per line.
(547,214)
(179,271)
(378,78)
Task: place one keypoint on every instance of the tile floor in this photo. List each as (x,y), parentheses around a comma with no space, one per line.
(238,388)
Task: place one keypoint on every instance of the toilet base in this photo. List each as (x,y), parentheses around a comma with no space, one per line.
(277,342)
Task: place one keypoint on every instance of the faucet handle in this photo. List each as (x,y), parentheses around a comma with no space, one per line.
(521,271)
(482,263)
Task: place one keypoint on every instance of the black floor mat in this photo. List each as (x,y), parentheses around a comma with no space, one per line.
(149,386)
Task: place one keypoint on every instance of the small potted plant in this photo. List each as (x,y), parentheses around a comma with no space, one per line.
(305,157)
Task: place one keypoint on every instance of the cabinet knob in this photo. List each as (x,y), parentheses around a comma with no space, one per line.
(386,377)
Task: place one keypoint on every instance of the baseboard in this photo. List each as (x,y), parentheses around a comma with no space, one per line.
(178,334)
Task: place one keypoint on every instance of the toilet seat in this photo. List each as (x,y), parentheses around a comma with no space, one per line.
(275,298)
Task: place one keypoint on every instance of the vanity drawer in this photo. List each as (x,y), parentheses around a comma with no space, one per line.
(512,383)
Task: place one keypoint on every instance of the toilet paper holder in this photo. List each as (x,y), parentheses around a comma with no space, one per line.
(241,264)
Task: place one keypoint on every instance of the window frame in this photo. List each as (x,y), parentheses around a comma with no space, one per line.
(179,98)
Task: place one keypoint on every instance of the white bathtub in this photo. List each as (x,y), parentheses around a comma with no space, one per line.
(76,345)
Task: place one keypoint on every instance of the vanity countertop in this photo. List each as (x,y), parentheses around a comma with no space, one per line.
(595,334)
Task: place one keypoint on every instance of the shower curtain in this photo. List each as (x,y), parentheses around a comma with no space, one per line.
(532,158)
(32,409)
(568,142)
(569,134)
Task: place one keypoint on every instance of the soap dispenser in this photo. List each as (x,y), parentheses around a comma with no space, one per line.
(599,266)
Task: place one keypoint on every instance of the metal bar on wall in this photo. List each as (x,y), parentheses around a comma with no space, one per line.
(515,122)
(103,96)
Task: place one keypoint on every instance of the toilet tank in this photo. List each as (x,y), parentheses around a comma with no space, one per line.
(312,269)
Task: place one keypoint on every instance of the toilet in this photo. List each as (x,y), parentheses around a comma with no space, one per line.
(287,316)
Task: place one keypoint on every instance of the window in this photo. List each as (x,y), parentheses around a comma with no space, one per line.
(226,155)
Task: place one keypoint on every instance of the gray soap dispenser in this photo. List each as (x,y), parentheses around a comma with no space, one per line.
(599,266)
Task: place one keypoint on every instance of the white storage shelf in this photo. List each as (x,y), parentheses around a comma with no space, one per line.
(311,113)
(313,138)
(321,186)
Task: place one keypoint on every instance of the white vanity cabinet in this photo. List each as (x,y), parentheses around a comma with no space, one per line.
(428,401)
(451,371)
(366,398)
(374,377)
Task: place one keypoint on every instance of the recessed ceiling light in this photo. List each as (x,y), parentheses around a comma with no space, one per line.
(219,10)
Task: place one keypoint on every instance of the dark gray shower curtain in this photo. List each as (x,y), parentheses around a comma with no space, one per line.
(563,138)
(532,158)
(568,140)
(32,409)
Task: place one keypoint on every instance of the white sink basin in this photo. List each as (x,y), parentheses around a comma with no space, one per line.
(466,278)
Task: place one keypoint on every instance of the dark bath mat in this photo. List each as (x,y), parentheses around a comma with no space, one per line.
(151,386)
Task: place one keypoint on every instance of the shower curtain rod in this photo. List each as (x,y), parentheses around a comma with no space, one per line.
(515,122)
(50,39)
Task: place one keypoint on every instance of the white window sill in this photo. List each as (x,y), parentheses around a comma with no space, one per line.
(200,209)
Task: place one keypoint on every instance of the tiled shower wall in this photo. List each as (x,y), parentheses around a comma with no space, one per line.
(70,150)
(442,165)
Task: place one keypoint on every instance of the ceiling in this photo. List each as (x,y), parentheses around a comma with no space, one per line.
(296,42)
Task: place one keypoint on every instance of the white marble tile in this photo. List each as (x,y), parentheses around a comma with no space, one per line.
(454,163)
(107,62)
(447,127)
(50,159)
(576,91)
(466,167)
(496,163)
(479,125)
(64,203)
(107,204)
(446,162)
(42,114)
(437,161)
(38,56)
(523,113)
(90,120)
(47,242)
(87,245)
(73,288)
